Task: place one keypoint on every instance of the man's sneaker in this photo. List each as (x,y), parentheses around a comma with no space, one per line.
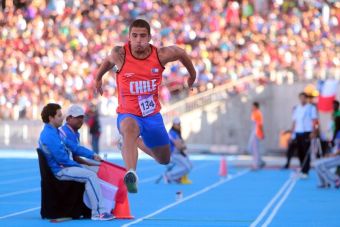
(130,180)
(303,176)
(185,180)
(102,217)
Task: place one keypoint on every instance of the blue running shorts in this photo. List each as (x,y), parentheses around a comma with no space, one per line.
(152,129)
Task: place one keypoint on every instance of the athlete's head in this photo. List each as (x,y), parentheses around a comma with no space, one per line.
(139,35)
(51,114)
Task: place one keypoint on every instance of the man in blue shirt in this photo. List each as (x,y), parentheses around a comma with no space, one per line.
(55,149)
(179,159)
(74,121)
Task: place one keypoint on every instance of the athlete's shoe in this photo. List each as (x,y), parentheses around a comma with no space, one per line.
(130,180)
(102,217)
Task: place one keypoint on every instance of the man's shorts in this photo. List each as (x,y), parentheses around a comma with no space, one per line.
(152,129)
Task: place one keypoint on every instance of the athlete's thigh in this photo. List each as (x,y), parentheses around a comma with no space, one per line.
(154,133)
(128,123)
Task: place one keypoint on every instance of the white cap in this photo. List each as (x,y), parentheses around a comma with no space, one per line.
(176,120)
(75,111)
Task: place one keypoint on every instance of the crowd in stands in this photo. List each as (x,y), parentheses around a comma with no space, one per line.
(50,50)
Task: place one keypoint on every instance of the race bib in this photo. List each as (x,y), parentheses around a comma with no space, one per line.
(146,104)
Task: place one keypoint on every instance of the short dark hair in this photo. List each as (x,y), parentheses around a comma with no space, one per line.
(336,103)
(49,110)
(256,104)
(303,94)
(140,23)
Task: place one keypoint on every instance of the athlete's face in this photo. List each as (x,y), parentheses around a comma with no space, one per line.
(139,39)
(57,120)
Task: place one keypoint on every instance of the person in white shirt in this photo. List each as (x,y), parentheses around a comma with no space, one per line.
(305,125)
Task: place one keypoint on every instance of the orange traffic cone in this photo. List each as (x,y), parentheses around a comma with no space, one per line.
(122,210)
(223,167)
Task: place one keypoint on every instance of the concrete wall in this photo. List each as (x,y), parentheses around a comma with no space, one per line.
(228,123)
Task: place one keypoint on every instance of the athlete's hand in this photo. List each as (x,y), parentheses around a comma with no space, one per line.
(99,87)
(191,81)
(97,158)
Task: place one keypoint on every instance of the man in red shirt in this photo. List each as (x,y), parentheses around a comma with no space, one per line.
(139,66)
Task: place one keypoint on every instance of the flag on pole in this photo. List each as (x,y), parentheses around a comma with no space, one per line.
(328,90)
(114,175)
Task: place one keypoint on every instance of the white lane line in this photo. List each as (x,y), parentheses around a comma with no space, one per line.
(206,189)
(20,212)
(271,202)
(19,192)
(279,204)
(18,180)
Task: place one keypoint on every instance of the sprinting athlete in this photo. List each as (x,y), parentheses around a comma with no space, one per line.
(139,66)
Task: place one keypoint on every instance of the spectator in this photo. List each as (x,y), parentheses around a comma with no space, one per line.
(256,136)
(92,120)
(48,45)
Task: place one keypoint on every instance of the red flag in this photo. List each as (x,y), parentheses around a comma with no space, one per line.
(114,175)
(327,95)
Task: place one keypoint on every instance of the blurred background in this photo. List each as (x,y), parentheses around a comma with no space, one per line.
(244,51)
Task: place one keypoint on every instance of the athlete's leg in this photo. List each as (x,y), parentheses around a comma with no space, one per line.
(130,132)
(161,153)
(155,139)
(144,148)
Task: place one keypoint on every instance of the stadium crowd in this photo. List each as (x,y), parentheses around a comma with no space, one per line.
(50,50)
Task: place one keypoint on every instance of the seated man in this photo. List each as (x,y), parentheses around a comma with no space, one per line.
(74,121)
(56,148)
(324,166)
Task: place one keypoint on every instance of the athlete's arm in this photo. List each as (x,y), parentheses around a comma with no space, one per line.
(174,53)
(109,62)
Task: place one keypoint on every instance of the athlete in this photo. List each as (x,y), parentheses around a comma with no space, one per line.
(139,66)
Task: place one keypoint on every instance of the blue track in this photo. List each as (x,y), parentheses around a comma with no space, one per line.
(246,198)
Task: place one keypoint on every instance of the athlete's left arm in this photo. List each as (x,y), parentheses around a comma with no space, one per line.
(174,53)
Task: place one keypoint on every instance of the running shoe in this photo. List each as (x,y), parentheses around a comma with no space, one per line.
(130,180)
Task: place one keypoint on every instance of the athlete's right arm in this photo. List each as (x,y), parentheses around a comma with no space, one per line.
(109,62)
